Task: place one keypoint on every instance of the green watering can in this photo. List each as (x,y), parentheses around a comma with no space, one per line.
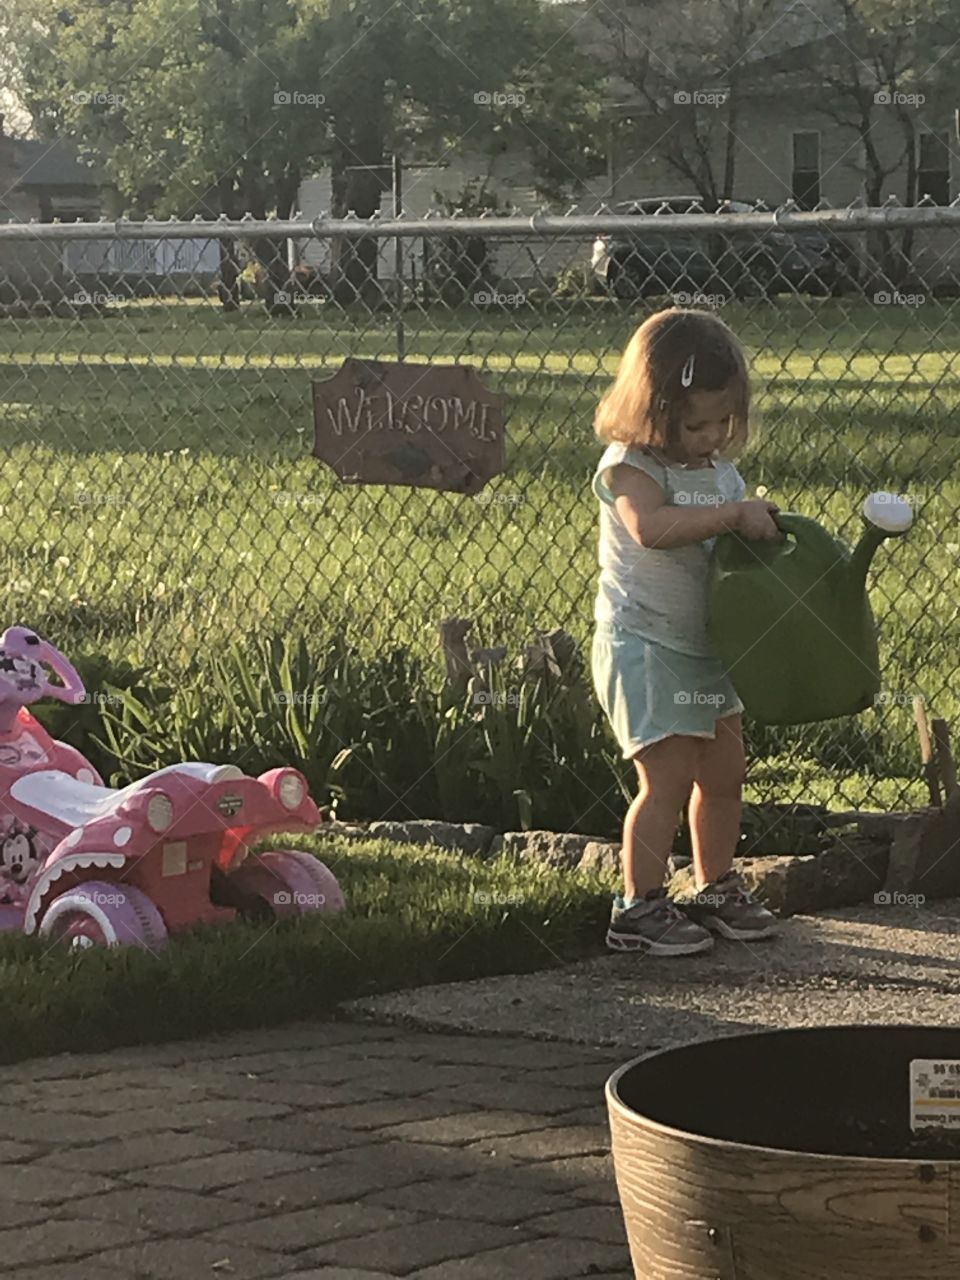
(791,620)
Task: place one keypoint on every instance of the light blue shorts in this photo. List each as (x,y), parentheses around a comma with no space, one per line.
(649,692)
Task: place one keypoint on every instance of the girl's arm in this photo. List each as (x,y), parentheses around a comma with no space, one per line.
(642,506)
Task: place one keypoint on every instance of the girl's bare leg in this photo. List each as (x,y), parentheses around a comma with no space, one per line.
(665,773)
(716,802)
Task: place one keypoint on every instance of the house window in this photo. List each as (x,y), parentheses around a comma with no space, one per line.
(805,180)
(933,167)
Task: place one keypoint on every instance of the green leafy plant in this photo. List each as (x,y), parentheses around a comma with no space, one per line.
(107,683)
(268,702)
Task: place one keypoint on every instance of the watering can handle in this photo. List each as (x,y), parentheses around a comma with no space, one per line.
(810,536)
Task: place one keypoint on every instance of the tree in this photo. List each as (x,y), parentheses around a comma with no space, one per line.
(216,107)
(889,59)
(424,77)
(670,53)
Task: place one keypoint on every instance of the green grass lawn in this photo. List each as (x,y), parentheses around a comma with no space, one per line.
(160,503)
(412,917)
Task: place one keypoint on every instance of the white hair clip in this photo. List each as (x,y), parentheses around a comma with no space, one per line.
(686,377)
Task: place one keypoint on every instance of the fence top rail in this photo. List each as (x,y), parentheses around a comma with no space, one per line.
(540,225)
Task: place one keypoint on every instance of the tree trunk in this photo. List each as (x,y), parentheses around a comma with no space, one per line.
(228,285)
(911,196)
(878,241)
(278,287)
(730,150)
(354,262)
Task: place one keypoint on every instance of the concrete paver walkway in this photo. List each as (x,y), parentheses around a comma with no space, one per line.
(367,1150)
(333,1150)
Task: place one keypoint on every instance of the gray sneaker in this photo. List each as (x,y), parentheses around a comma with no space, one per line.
(657,926)
(727,907)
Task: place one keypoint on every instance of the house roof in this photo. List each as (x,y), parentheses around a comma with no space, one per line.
(53,164)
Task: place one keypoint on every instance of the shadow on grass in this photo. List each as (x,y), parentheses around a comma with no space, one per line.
(419,918)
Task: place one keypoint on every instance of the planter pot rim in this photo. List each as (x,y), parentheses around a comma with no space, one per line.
(628,1115)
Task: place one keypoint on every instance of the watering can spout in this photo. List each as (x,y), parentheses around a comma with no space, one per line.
(887,515)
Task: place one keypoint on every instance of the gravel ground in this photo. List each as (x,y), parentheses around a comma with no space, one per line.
(871,964)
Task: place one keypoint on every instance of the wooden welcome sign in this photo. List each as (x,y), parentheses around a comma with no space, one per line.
(429,426)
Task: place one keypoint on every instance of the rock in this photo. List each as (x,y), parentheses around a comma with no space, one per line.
(881,826)
(468,837)
(678,862)
(787,885)
(925,853)
(554,849)
(852,870)
(344,830)
(601,858)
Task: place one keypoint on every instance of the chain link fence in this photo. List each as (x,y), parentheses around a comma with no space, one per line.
(162,506)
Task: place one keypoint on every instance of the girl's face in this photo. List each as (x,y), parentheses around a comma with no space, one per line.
(704,426)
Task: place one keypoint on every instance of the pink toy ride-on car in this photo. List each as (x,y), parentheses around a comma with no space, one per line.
(88,864)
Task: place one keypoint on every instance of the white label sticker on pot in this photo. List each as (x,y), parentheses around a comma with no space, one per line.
(935,1093)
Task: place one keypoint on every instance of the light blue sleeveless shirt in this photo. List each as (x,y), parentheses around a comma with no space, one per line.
(659,594)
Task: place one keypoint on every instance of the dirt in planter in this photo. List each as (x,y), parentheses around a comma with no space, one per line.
(884,1140)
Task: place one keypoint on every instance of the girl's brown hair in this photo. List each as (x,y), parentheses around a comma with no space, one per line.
(643,406)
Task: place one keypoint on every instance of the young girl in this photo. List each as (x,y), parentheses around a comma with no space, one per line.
(678,405)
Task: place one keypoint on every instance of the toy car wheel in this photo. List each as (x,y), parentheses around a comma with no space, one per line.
(290,882)
(97,913)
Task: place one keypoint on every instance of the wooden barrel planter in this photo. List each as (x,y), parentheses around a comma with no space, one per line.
(786,1155)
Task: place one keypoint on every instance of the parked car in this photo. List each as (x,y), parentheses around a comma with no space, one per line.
(652,262)
(813,262)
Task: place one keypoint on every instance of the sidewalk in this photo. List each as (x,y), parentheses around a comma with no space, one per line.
(330,1150)
(860,964)
(365,1150)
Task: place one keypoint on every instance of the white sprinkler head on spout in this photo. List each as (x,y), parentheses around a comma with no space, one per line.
(889,512)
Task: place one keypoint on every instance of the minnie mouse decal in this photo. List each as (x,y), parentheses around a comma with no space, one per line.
(21,853)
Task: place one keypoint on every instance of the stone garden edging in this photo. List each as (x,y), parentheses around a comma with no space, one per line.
(905,855)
